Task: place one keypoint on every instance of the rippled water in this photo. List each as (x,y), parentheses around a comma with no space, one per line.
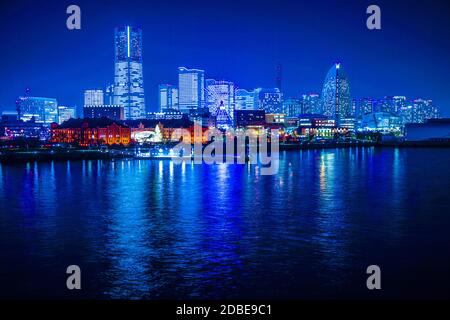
(152,229)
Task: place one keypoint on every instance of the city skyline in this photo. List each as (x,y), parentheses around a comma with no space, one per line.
(194,94)
(253,67)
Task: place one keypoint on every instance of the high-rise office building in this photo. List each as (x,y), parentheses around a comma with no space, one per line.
(423,109)
(386,105)
(362,106)
(311,104)
(270,100)
(93,97)
(66,113)
(336,99)
(292,107)
(220,94)
(191,89)
(128,76)
(399,102)
(245,100)
(42,110)
(168,98)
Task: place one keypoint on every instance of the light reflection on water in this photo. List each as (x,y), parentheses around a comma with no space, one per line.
(154,229)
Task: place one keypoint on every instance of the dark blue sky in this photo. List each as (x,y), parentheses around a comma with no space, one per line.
(241,41)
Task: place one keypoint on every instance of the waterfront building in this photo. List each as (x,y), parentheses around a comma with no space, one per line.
(269,99)
(318,126)
(311,104)
(89,132)
(347,123)
(191,89)
(128,72)
(12,128)
(220,94)
(146,130)
(381,122)
(66,113)
(93,97)
(42,110)
(113,112)
(168,98)
(291,122)
(390,104)
(418,111)
(245,100)
(292,107)
(336,99)
(249,118)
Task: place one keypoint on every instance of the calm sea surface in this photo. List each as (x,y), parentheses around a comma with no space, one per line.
(151,229)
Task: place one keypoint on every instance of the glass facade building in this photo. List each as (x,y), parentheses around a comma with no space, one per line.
(363,106)
(66,113)
(191,89)
(292,107)
(311,104)
(245,100)
(270,100)
(93,97)
(336,93)
(168,98)
(128,75)
(42,110)
(423,109)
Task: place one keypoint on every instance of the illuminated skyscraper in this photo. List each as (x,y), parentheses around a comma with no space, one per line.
(292,107)
(424,109)
(93,97)
(363,106)
(311,104)
(270,100)
(220,93)
(245,100)
(129,78)
(336,94)
(168,98)
(191,89)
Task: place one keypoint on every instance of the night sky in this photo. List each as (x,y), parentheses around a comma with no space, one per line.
(240,41)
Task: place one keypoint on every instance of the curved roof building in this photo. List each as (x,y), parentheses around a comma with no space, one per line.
(336,93)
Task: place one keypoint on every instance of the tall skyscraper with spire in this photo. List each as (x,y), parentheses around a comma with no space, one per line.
(336,99)
(128,75)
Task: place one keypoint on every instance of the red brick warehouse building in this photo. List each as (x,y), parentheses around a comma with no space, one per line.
(88,132)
